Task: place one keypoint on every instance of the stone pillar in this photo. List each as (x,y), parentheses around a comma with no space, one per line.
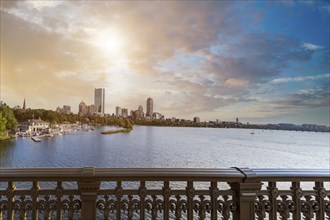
(245,195)
(88,188)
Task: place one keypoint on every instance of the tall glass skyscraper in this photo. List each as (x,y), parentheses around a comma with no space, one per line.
(150,107)
(99,100)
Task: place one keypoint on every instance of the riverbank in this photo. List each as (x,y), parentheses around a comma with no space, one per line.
(7,137)
(126,130)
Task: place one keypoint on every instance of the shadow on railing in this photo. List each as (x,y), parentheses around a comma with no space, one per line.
(122,193)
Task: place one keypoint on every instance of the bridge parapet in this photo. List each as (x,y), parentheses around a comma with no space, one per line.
(164,193)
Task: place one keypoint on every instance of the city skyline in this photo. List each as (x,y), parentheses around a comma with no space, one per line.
(269,63)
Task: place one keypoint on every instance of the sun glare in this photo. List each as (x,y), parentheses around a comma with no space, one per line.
(109,41)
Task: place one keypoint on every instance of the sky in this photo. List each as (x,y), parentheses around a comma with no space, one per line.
(260,61)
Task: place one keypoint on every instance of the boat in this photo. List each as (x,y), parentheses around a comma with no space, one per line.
(36,139)
(252,132)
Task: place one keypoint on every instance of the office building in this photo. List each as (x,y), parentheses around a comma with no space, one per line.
(141,111)
(82,108)
(136,114)
(157,116)
(196,120)
(90,109)
(99,100)
(66,109)
(118,111)
(124,112)
(150,107)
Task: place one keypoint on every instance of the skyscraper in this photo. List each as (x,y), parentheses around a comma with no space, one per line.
(82,108)
(141,111)
(118,111)
(99,100)
(150,107)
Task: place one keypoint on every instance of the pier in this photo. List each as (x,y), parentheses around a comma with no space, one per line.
(36,139)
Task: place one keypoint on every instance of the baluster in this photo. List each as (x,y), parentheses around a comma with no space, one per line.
(10,196)
(166,195)
(214,193)
(273,194)
(297,195)
(1,210)
(190,197)
(142,193)
(155,204)
(107,208)
(130,208)
(228,208)
(22,211)
(118,194)
(259,208)
(307,208)
(59,194)
(202,208)
(34,194)
(47,207)
(179,206)
(285,207)
(320,195)
(327,207)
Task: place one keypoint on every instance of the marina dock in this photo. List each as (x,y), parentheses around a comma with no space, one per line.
(36,139)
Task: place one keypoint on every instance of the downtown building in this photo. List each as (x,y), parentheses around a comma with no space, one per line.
(99,95)
(85,109)
(65,110)
(118,111)
(150,108)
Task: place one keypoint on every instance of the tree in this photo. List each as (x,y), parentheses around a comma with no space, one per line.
(8,114)
(3,123)
(128,124)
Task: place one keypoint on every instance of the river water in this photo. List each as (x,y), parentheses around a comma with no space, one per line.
(172,147)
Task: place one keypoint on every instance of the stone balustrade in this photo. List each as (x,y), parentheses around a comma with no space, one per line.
(161,193)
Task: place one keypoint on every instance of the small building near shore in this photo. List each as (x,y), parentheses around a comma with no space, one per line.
(34,125)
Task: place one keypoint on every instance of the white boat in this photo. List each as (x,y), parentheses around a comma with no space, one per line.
(252,132)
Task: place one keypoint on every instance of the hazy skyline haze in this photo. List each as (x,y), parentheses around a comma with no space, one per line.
(263,62)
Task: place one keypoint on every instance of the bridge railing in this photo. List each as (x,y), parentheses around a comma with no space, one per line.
(161,193)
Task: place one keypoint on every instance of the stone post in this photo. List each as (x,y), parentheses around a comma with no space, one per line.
(245,195)
(88,188)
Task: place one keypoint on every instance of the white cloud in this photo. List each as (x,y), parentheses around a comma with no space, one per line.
(39,5)
(325,8)
(300,78)
(309,46)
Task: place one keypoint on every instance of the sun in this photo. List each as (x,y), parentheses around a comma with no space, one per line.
(109,41)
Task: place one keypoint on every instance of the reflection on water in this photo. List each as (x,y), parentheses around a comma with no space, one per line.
(171,147)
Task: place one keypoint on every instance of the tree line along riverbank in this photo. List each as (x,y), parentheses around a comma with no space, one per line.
(10,119)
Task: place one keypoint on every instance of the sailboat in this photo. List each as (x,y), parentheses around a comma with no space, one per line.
(252,132)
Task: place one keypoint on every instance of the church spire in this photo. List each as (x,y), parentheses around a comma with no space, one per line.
(24,107)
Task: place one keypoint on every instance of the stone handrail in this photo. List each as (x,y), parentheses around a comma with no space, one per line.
(164,193)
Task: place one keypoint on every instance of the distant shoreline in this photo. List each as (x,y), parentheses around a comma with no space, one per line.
(126,130)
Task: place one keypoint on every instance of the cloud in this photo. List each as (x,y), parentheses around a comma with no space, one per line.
(315,97)
(309,46)
(300,78)
(232,82)
(190,57)
(325,8)
(39,5)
